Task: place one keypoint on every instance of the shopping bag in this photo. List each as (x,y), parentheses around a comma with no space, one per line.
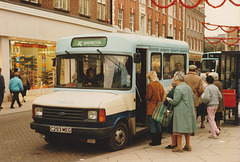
(158,112)
(167,116)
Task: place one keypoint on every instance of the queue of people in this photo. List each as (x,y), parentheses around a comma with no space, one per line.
(19,83)
(189,92)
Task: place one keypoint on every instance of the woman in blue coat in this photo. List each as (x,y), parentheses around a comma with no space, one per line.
(184,119)
(15,86)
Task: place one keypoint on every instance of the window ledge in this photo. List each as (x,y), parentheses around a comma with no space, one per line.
(31,3)
(62,10)
(87,16)
(102,20)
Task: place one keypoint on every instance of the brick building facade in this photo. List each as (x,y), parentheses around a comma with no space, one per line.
(144,18)
(194,31)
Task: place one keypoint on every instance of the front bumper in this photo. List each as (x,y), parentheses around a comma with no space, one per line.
(82,132)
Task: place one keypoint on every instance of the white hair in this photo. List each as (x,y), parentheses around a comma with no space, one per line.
(179,76)
(173,83)
(214,75)
(152,75)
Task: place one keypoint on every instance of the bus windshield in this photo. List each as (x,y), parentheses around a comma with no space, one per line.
(94,71)
(208,66)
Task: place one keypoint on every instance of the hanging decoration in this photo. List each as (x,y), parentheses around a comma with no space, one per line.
(195,5)
(224,40)
(233,28)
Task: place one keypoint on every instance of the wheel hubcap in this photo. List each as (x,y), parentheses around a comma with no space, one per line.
(120,137)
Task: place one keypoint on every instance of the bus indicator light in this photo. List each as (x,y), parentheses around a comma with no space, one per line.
(102,116)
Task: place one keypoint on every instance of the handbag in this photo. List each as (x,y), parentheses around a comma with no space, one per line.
(167,116)
(158,112)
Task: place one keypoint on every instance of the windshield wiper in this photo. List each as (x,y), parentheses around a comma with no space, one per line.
(110,60)
(73,56)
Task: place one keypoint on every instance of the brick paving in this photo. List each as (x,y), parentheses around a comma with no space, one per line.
(19,143)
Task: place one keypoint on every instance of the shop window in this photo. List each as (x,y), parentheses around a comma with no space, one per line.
(173,63)
(156,64)
(84,7)
(35,60)
(62,5)
(101,7)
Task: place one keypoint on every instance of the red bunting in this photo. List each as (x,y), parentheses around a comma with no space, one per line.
(195,5)
(223,40)
(233,28)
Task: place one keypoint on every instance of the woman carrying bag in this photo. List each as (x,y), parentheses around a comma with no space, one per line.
(155,94)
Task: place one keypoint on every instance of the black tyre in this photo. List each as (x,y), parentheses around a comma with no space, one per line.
(51,139)
(118,138)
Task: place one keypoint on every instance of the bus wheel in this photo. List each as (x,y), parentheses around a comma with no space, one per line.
(119,137)
(51,139)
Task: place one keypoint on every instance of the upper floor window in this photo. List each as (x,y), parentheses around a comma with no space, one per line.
(62,4)
(132,22)
(174,33)
(180,12)
(120,18)
(150,27)
(149,3)
(32,1)
(175,11)
(143,1)
(156,29)
(163,4)
(156,8)
(163,30)
(84,7)
(179,34)
(102,9)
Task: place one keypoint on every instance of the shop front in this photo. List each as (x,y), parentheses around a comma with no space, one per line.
(195,59)
(35,59)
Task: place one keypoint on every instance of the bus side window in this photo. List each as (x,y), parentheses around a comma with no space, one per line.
(173,63)
(156,64)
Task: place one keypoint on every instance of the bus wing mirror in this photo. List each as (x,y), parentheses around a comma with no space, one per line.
(54,61)
(137,57)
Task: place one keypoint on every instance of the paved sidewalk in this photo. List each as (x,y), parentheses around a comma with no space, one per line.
(26,106)
(225,148)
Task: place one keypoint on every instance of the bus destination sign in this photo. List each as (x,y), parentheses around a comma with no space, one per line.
(89,42)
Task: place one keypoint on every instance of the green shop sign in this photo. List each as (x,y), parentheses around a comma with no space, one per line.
(89,42)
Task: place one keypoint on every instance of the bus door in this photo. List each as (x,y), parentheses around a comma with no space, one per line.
(141,89)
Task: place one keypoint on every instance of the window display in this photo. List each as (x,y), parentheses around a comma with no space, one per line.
(36,60)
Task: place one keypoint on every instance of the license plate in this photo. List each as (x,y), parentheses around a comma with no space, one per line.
(58,129)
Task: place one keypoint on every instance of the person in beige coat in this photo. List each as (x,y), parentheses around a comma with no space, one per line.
(195,82)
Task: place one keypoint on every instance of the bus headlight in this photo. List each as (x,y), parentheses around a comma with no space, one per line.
(92,115)
(38,112)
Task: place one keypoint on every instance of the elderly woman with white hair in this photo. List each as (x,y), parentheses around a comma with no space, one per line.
(184,119)
(218,115)
(155,94)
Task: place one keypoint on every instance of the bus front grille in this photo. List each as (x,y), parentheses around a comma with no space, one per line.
(63,114)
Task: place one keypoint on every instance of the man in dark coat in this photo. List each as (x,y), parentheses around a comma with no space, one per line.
(2,88)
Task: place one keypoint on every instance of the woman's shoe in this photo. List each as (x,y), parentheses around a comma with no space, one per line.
(177,149)
(170,147)
(202,126)
(11,107)
(189,148)
(20,105)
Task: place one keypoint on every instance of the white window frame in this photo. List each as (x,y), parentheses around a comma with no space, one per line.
(175,10)
(179,34)
(149,27)
(163,4)
(83,10)
(149,3)
(156,29)
(174,33)
(156,8)
(101,7)
(180,12)
(132,22)
(163,30)
(59,4)
(120,18)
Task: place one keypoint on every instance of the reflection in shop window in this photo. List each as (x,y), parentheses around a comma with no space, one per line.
(173,63)
(156,64)
(62,4)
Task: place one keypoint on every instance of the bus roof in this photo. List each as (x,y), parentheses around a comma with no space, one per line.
(123,43)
